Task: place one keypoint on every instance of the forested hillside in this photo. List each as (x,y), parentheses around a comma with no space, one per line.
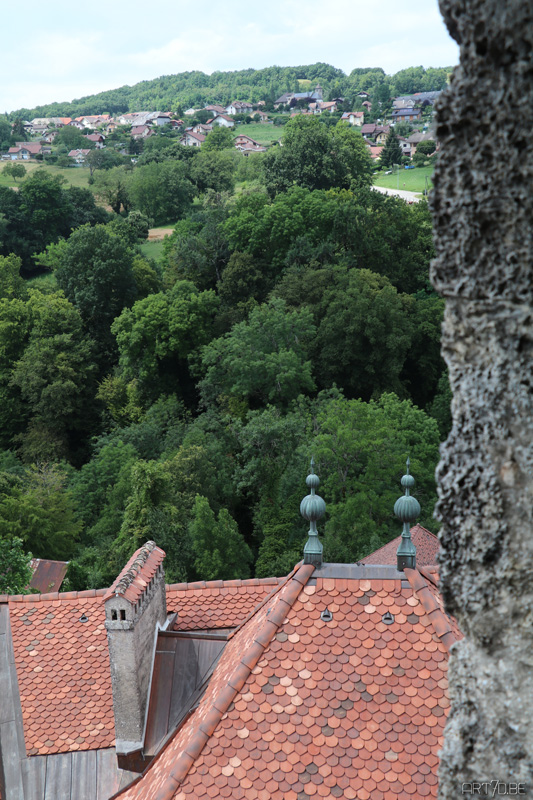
(181,399)
(178,92)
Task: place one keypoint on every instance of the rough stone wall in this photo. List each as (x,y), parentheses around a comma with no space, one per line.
(483,215)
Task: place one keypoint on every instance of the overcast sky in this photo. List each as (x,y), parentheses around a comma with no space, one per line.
(62,50)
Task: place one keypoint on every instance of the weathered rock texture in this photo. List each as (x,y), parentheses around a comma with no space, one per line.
(483,215)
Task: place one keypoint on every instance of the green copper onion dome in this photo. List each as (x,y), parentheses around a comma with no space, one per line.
(312,508)
(407,509)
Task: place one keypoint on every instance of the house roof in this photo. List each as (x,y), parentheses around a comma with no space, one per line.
(63,664)
(246,138)
(47,575)
(426,543)
(31,147)
(216,604)
(63,671)
(348,114)
(405,112)
(199,136)
(82,152)
(375,150)
(302,703)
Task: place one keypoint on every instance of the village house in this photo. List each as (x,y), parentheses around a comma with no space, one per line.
(406,146)
(97,138)
(191,139)
(43,123)
(381,133)
(201,128)
(247,145)
(291,98)
(23,151)
(375,150)
(215,110)
(354,117)
(406,114)
(223,120)
(93,120)
(79,155)
(333,676)
(377,133)
(420,136)
(418,99)
(49,136)
(141,132)
(239,107)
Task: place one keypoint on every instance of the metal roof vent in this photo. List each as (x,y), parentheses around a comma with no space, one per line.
(387,618)
(84,618)
(326,615)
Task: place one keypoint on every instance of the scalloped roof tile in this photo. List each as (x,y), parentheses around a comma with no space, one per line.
(217,604)
(301,707)
(63,671)
(426,543)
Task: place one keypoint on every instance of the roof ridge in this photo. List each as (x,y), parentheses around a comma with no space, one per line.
(431,577)
(435,614)
(296,580)
(38,597)
(220,584)
(283,582)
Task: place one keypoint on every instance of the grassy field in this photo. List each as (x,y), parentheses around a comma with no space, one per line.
(153,250)
(264,134)
(412,180)
(76,176)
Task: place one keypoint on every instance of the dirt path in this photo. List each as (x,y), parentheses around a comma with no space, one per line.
(158,234)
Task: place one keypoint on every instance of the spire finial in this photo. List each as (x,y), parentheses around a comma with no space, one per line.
(407,509)
(312,508)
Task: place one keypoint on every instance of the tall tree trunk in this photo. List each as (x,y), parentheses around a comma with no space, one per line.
(483,211)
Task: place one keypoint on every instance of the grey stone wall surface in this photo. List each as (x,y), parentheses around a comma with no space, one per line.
(483,216)
(131,649)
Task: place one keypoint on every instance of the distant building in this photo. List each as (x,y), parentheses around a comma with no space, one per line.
(354,117)
(190,139)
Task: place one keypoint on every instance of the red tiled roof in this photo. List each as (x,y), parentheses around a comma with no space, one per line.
(216,604)
(63,671)
(426,543)
(63,664)
(236,664)
(137,574)
(299,706)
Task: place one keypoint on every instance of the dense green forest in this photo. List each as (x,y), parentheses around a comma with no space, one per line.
(196,89)
(181,400)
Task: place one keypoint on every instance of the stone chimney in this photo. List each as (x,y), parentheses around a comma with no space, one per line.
(135,609)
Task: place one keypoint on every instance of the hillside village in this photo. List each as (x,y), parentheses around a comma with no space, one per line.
(127,132)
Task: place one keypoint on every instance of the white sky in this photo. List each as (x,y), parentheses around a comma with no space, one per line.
(62,50)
